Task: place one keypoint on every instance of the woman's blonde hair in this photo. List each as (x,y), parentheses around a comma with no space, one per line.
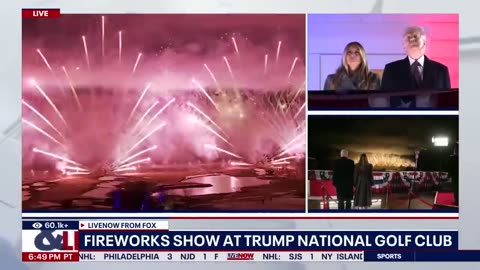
(363,160)
(363,69)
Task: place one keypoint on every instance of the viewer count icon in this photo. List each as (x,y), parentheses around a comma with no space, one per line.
(50,225)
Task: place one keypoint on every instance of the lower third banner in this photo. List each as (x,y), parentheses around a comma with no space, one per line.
(67,241)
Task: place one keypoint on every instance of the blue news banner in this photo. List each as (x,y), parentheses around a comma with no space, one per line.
(375,245)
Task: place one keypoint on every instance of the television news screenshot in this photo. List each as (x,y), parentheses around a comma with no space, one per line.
(273,134)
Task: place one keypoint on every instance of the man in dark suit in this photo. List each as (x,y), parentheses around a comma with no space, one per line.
(343,180)
(414,72)
(453,172)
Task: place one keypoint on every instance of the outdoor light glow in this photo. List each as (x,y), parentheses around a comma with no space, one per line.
(440,141)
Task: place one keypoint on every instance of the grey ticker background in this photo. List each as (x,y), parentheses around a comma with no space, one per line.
(10,138)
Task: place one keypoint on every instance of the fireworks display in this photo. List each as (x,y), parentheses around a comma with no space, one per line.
(389,161)
(102,104)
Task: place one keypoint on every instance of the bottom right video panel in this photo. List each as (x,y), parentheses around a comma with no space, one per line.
(383,162)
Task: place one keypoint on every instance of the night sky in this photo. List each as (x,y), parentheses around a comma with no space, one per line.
(179,31)
(174,48)
(393,135)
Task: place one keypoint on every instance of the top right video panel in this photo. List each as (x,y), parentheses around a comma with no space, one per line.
(383,61)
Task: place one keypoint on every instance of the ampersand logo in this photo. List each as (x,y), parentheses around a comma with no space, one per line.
(53,242)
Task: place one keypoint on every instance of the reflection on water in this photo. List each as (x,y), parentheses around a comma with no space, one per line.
(142,196)
(219,184)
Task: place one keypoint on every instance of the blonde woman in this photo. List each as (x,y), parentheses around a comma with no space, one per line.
(363,181)
(353,73)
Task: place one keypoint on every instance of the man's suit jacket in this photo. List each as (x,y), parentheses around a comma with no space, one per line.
(343,177)
(398,76)
(453,167)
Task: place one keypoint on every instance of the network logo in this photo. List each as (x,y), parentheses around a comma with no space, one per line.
(50,240)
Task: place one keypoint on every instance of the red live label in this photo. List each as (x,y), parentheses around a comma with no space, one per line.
(40,13)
